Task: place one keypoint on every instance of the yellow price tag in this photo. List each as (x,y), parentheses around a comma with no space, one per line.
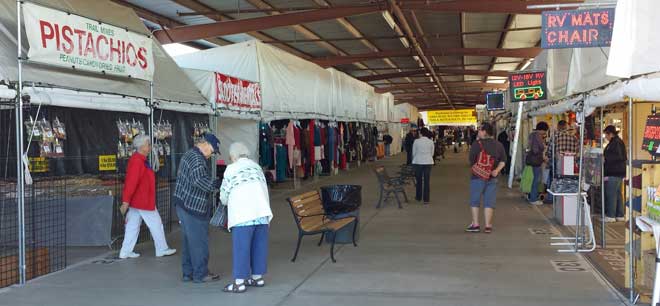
(38,165)
(107,162)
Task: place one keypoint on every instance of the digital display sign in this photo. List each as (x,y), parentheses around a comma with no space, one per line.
(651,142)
(577,28)
(494,101)
(528,86)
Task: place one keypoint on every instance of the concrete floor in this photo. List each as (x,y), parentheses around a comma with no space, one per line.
(415,256)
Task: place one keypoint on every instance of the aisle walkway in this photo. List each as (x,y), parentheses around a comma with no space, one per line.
(415,256)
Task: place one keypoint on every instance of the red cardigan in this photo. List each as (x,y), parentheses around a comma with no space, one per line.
(140,184)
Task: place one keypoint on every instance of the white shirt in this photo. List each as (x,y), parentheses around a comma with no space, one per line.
(423,149)
(245,192)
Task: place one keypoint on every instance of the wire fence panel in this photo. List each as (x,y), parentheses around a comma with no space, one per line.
(8,233)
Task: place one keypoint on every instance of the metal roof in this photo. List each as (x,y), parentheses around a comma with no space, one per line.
(458,39)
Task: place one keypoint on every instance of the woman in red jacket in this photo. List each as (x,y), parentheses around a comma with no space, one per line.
(139,202)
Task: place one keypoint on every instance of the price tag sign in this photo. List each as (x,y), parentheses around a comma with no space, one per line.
(107,162)
(38,165)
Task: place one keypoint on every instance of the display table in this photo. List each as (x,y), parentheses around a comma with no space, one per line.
(649,225)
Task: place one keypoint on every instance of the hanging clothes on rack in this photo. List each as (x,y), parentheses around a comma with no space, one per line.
(290,142)
(265,146)
(312,160)
(304,147)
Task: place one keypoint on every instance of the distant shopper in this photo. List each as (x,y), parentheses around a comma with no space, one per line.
(491,157)
(422,153)
(194,186)
(535,158)
(408,145)
(139,202)
(503,138)
(615,171)
(387,139)
(245,193)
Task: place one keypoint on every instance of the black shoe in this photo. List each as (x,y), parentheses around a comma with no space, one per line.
(208,278)
(473,229)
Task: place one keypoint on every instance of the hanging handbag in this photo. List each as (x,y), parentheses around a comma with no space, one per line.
(220,218)
(534,159)
(484,165)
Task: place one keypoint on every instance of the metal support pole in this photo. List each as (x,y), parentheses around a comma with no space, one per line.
(155,164)
(20,174)
(602,181)
(580,217)
(631,223)
(516,139)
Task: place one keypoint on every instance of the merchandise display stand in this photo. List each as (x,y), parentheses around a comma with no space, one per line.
(646,224)
(579,243)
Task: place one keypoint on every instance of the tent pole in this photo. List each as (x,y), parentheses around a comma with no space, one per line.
(630,201)
(155,164)
(20,175)
(515,144)
(579,238)
(602,180)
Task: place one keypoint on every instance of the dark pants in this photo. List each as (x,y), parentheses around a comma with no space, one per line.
(250,250)
(408,157)
(534,193)
(423,176)
(195,253)
(613,198)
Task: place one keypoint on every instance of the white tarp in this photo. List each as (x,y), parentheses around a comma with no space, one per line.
(291,87)
(635,43)
(170,85)
(234,130)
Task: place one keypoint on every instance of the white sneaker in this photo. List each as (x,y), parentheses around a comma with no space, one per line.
(129,255)
(609,220)
(536,203)
(167,252)
(620,219)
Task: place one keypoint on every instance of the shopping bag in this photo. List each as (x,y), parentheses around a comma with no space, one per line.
(526,179)
(220,217)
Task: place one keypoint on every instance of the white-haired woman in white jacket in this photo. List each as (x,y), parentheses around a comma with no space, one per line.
(245,192)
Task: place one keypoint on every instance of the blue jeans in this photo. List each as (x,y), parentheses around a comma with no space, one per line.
(534,193)
(250,250)
(488,189)
(387,150)
(613,198)
(195,253)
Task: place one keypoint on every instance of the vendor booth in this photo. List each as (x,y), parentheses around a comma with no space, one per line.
(299,119)
(81,106)
(614,86)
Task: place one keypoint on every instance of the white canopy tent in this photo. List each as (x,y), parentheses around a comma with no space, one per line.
(291,87)
(171,90)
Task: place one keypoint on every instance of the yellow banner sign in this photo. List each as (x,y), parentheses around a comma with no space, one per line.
(38,164)
(452,117)
(107,162)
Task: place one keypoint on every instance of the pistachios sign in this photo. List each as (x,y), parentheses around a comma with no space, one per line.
(67,40)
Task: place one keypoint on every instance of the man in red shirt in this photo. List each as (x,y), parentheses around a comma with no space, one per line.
(139,202)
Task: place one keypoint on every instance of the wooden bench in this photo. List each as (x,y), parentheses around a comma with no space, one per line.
(311,219)
(390,186)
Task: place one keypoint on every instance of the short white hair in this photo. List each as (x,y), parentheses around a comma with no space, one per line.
(238,150)
(140,141)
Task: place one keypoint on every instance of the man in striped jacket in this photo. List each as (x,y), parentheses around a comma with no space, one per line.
(192,198)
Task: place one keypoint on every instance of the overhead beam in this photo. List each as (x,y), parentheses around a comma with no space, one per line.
(164,21)
(222,28)
(478,6)
(195,5)
(449,85)
(442,66)
(371,78)
(402,23)
(330,61)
